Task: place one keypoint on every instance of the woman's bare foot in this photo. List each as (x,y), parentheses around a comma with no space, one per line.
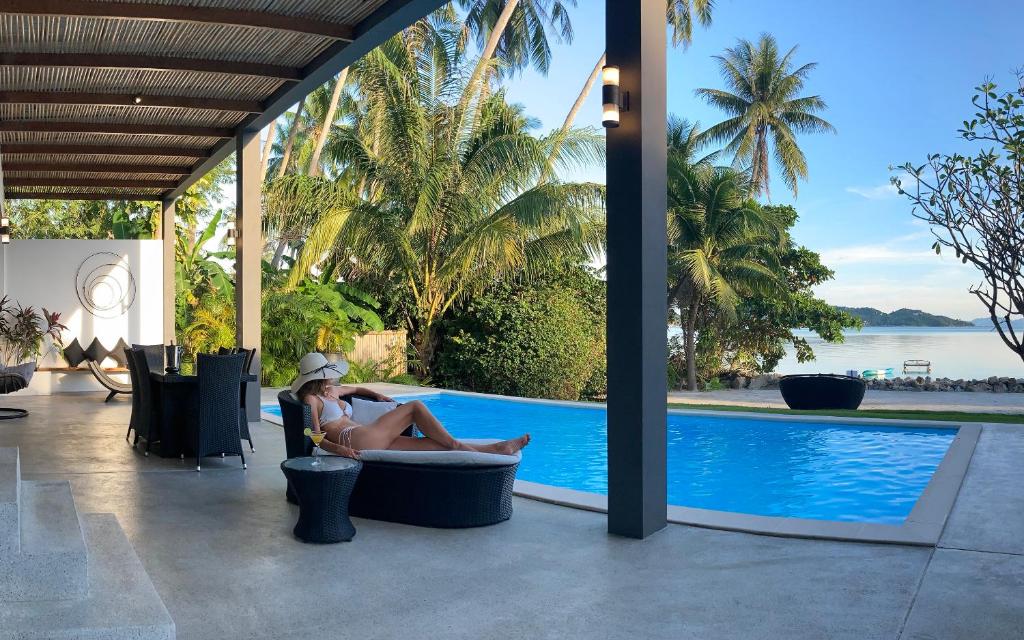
(512,447)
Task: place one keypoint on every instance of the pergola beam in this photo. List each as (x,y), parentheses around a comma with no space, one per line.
(53,126)
(141,100)
(369,34)
(90,182)
(70,167)
(88,195)
(155,63)
(178,13)
(102,150)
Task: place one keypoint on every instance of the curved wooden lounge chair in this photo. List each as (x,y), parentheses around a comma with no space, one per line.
(113,386)
(443,495)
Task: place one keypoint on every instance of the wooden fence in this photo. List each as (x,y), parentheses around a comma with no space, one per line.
(386,348)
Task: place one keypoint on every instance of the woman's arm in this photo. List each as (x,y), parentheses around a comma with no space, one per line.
(314,410)
(339,449)
(325,443)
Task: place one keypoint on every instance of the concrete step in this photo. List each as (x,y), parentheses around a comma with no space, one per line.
(52,562)
(122,603)
(10,489)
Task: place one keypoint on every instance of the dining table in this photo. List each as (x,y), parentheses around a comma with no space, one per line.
(176,410)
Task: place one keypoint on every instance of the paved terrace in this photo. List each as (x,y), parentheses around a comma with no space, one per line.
(218,548)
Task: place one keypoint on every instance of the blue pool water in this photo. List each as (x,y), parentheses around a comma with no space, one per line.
(825,471)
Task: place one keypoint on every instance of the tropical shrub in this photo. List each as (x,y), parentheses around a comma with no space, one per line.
(22,330)
(541,341)
(314,316)
(83,219)
(753,337)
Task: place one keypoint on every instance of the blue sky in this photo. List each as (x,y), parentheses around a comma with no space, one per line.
(898,78)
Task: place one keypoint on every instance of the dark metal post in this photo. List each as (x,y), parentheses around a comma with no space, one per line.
(248,254)
(637,311)
(167,238)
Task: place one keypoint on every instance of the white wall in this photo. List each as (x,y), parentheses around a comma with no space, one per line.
(42,273)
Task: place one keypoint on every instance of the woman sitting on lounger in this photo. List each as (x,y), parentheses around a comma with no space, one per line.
(346,437)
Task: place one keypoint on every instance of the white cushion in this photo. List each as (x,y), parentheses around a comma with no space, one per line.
(453,458)
(366,411)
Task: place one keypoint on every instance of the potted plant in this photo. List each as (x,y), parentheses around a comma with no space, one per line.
(22,330)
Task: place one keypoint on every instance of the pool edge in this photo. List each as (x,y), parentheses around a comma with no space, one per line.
(922,528)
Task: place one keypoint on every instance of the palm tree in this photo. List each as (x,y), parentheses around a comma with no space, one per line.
(680,15)
(516,31)
(446,204)
(763,104)
(719,242)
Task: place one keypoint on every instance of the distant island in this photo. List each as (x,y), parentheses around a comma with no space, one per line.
(1018,325)
(902,318)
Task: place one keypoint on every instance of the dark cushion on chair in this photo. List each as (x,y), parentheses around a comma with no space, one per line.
(117,353)
(96,351)
(74,355)
(11,382)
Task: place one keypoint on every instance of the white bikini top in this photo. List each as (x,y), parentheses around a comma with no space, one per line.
(334,409)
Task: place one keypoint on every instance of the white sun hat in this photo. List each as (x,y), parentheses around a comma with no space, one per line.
(314,366)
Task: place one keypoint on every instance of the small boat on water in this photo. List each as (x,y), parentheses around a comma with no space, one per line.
(878,373)
(917,366)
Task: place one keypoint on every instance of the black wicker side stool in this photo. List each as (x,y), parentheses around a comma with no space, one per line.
(323,493)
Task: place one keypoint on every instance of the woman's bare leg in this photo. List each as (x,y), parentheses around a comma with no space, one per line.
(407,443)
(434,430)
(385,430)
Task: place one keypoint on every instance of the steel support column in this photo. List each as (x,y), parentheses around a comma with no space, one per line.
(168,238)
(637,312)
(248,253)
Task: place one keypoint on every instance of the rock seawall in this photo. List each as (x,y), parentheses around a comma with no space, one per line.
(993,384)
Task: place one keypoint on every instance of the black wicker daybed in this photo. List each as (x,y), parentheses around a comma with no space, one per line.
(442,495)
(822,391)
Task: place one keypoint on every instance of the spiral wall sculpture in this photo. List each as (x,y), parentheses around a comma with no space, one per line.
(105,285)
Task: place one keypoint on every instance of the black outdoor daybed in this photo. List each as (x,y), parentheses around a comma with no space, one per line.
(428,495)
(822,391)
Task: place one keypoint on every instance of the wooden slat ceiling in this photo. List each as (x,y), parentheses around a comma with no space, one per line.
(137,99)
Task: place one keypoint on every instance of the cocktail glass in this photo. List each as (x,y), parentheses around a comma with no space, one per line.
(317,437)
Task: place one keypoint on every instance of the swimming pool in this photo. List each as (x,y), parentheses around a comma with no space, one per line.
(767,467)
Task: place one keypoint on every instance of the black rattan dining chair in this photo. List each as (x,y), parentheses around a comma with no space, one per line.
(134,376)
(144,359)
(243,425)
(154,355)
(217,431)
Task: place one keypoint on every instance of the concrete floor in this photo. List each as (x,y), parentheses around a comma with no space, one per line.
(219,549)
(926,400)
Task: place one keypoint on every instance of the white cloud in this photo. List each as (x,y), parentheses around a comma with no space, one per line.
(902,250)
(884,191)
(881,192)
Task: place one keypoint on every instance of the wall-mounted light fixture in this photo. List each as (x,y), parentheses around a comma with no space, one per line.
(137,99)
(5,231)
(612,99)
(232,236)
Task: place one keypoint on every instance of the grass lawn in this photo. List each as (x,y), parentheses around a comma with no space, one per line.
(889,414)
